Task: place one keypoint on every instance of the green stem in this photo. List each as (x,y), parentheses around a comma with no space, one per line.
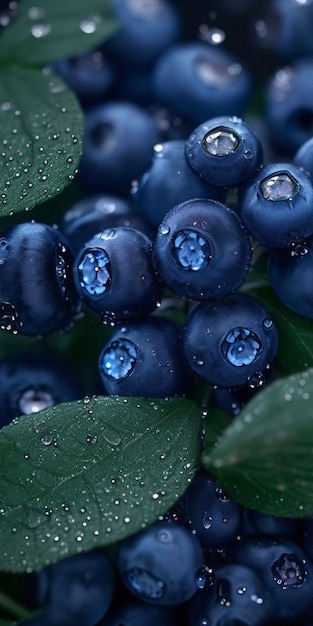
(13,607)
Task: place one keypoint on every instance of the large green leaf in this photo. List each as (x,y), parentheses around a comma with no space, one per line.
(41,127)
(55,29)
(89,473)
(264,459)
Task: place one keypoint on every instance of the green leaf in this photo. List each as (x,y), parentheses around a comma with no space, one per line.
(295,349)
(55,29)
(264,458)
(215,423)
(41,127)
(90,473)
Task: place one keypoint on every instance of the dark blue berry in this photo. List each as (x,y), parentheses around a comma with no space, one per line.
(135,613)
(230,342)
(117,148)
(114,275)
(90,75)
(37,294)
(34,380)
(202,250)
(224,151)
(95,213)
(276,205)
(212,515)
(146,30)
(285,571)
(303,158)
(144,358)
(159,565)
(197,81)
(290,272)
(288,26)
(238,597)
(169,181)
(289,105)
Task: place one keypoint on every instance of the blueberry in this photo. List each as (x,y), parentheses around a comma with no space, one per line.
(159,565)
(289,28)
(238,598)
(117,148)
(169,181)
(197,81)
(230,342)
(290,272)
(256,523)
(144,358)
(224,151)
(289,105)
(90,76)
(34,380)
(147,28)
(114,275)
(76,591)
(95,213)
(276,205)
(285,570)
(212,515)
(202,250)
(303,158)
(37,294)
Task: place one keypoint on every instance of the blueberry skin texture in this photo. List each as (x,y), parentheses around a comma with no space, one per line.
(276,205)
(77,590)
(146,30)
(114,275)
(202,250)
(239,597)
(90,76)
(290,271)
(304,156)
(230,342)
(117,147)
(224,164)
(33,380)
(289,106)
(96,213)
(285,570)
(197,81)
(213,516)
(145,359)
(159,565)
(169,181)
(37,294)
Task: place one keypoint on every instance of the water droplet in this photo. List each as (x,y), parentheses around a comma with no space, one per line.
(206,520)
(279,186)
(40,30)
(221,141)
(256,380)
(248,154)
(164,229)
(112,436)
(90,25)
(204,577)
(47,440)
(92,439)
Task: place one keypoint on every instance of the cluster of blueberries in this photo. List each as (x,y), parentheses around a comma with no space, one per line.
(177,197)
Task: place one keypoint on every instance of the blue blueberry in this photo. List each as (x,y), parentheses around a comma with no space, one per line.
(146,30)
(90,76)
(95,213)
(276,205)
(144,358)
(285,571)
(224,151)
(289,28)
(290,271)
(159,565)
(202,250)
(197,81)
(169,181)
(212,515)
(34,380)
(37,294)
(117,148)
(239,597)
(230,342)
(257,523)
(136,613)
(289,105)
(303,158)
(114,275)
(76,591)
